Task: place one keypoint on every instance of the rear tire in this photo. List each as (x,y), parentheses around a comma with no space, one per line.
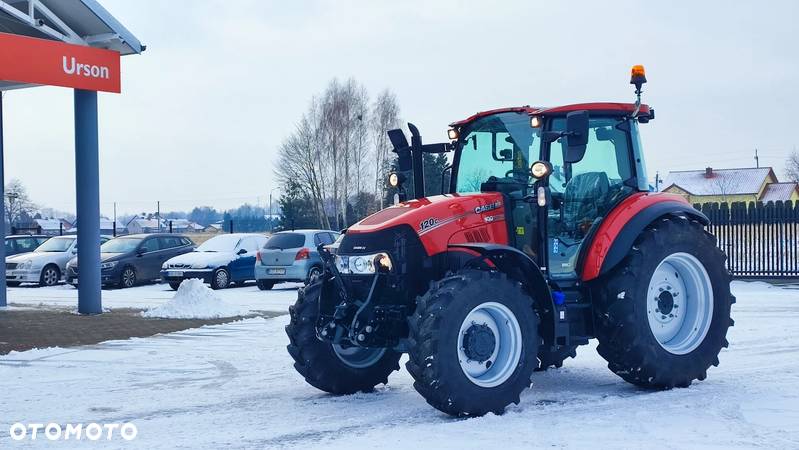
(313,274)
(334,370)
(265,285)
(174,285)
(458,323)
(662,315)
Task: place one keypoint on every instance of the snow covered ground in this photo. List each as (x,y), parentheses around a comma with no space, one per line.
(232,386)
(247,297)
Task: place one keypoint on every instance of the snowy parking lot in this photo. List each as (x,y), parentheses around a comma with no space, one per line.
(233,386)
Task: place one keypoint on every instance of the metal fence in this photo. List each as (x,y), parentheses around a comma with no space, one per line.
(760,240)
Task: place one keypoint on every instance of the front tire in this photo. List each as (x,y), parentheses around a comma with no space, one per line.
(329,367)
(127,279)
(663,314)
(174,285)
(50,276)
(474,340)
(220,279)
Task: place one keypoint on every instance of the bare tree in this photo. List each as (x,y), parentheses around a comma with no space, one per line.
(385,116)
(17,201)
(792,166)
(725,185)
(337,148)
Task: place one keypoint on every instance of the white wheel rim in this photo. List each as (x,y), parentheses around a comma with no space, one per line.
(680,303)
(358,357)
(495,369)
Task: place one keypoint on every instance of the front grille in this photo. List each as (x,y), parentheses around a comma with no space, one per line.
(11,266)
(178,266)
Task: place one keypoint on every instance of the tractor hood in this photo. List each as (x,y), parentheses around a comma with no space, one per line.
(440,220)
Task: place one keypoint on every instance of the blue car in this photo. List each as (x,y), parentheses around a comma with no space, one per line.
(219,261)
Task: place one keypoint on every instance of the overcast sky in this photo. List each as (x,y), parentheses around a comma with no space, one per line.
(204,109)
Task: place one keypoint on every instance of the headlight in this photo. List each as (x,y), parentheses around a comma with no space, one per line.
(395,179)
(199,266)
(364,264)
(108,265)
(27,264)
(540,169)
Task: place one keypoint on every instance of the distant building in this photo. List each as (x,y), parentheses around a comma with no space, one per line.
(139,225)
(183,226)
(215,228)
(52,227)
(730,185)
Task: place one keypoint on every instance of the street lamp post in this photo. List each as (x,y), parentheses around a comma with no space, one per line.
(271,217)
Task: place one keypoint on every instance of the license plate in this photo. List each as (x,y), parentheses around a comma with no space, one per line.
(174,273)
(276,271)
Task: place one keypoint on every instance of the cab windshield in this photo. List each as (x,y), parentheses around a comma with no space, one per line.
(500,146)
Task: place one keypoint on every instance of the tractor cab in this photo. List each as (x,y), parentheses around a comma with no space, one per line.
(559,170)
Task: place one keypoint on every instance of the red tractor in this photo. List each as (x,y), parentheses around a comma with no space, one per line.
(546,236)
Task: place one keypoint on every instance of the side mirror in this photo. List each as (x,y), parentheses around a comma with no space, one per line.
(140,251)
(506,155)
(241,251)
(576,136)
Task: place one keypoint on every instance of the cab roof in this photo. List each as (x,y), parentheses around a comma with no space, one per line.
(608,107)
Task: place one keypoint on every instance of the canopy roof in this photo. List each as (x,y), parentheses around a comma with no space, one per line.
(81,22)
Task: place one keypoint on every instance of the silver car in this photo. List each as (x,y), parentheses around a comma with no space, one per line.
(291,256)
(46,265)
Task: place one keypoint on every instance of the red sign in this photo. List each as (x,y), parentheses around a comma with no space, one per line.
(40,61)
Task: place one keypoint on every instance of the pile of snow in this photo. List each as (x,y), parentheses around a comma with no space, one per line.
(195,300)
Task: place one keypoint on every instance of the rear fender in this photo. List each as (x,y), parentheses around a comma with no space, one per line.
(519,266)
(622,226)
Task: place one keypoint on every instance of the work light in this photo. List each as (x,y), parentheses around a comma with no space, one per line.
(540,169)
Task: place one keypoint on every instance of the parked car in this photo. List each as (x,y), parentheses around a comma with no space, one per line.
(291,256)
(46,264)
(128,260)
(219,261)
(23,243)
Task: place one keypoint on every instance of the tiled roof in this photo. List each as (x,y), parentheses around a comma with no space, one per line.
(778,192)
(723,182)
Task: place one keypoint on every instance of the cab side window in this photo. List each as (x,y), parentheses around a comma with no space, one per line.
(585,191)
(590,187)
(9,246)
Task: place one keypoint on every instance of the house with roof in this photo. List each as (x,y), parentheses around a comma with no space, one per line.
(52,227)
(751,184)
(184,226)
(139,225)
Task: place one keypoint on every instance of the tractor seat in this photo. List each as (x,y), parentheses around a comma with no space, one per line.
(583,198)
